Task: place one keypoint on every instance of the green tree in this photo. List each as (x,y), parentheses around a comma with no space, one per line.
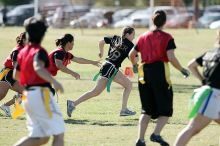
(14,2)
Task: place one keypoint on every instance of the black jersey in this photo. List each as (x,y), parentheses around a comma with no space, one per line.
(211,67)
(118,50)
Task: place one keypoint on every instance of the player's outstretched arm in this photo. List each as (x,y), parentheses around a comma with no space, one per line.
(81,60)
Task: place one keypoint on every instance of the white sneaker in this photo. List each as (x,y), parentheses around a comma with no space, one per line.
(6,109)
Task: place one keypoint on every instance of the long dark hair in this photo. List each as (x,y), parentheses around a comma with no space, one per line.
(159,18)
(21,38)
(64,40)
(126,30)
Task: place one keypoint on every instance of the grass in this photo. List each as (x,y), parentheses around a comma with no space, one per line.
(97,122)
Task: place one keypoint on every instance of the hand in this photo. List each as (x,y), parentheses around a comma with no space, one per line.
(100,55)
(58,86)
(97,63)
(76,75)
(185,72)
(135,68)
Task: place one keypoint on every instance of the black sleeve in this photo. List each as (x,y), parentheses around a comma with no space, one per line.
(108,40)
(136,48)
(14,55)
(42,55)
(17,66)
(171,45)
(199,59)
(59,55)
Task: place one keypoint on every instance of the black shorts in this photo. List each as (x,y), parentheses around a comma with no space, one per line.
(8,78)
(108,70)
(156,94)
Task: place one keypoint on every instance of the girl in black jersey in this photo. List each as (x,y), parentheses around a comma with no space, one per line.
(206,99)
(118,51)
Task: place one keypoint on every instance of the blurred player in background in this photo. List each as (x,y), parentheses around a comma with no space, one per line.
(6,75)
(44,118)
(207,98)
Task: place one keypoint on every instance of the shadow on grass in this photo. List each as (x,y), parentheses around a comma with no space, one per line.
(130,122)
(181,88)
(178,88)
(72,121)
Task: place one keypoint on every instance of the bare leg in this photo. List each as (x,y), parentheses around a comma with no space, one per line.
(100,86)
(58,140)
(27,141)
(143,123)
(17,88)
(194,127)
(161,122)
(4,87)
(126,83)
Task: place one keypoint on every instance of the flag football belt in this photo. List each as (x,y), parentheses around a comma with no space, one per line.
(202,93)
(19,110)
(141,73)
(4,73)
(109,80)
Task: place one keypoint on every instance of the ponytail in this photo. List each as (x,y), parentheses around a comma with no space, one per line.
(64,40)
(58,41)
(21,39)
(126,30)
(159,18)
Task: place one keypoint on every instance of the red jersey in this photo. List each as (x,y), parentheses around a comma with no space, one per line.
(8,63)
(28,76)
(66,60)
(153,45)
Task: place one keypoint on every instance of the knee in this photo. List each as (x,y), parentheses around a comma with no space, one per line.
(128,85)
(193,130)
(44,140)
(2,95)
(95,92)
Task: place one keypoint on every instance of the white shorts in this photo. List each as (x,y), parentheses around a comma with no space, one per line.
(40,121)
(211,105)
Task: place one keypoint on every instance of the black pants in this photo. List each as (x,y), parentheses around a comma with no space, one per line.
(156,94)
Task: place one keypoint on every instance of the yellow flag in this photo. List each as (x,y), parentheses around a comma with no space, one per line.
(19,110)
(141,74)
(2,74)
(46,94)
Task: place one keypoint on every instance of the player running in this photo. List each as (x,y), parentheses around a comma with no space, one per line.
(118,51)
(6,78)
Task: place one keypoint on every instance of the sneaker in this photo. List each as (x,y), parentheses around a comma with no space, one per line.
(140,143)
(70,107)
(127,112)
(6,109)
(158,139)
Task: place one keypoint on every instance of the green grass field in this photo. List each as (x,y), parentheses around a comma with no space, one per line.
(97,122)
